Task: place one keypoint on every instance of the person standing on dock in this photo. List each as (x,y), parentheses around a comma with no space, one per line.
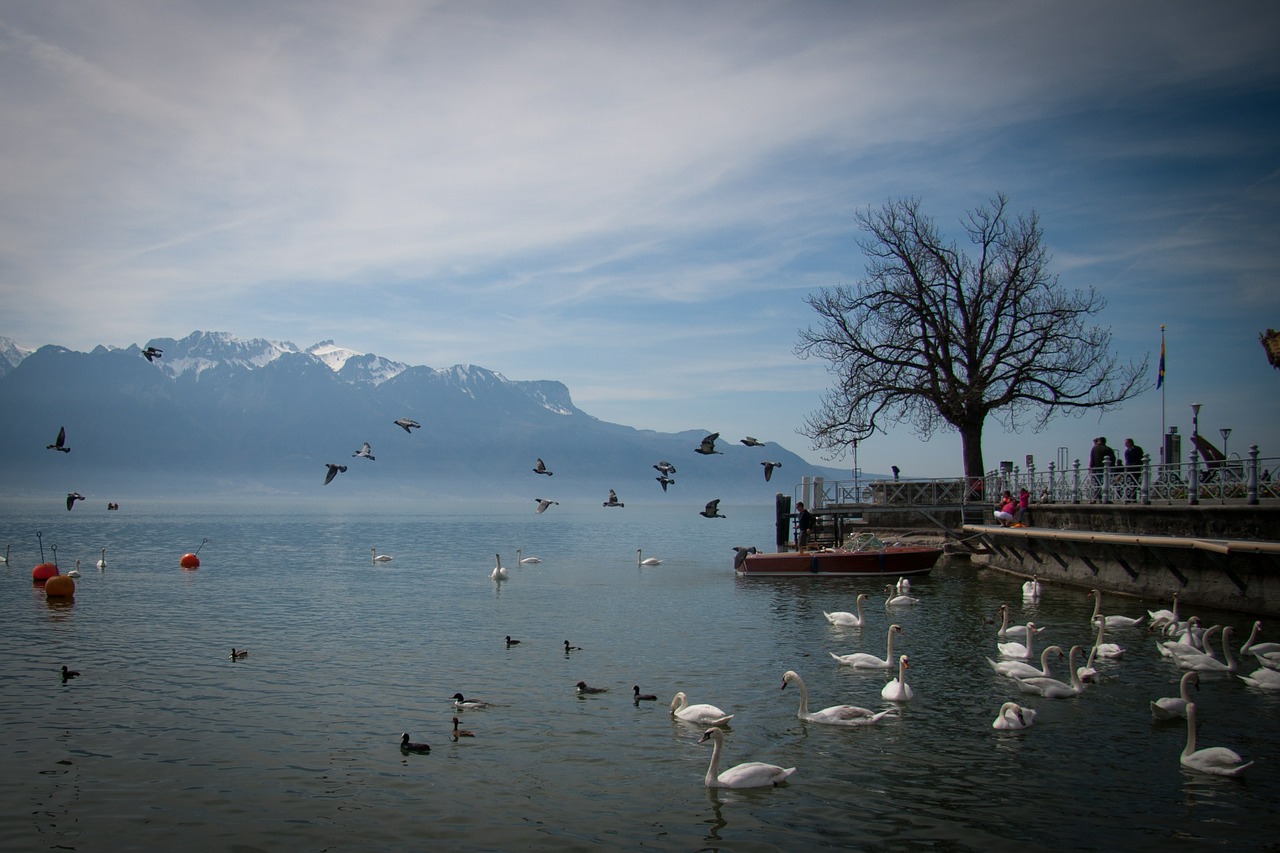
(804,526)
(1133,455)
(1100,455)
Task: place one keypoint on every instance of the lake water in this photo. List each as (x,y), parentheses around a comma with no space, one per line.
(164,742)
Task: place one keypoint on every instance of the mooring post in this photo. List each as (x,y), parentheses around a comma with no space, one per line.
(1193,491)
(1075,489)
(1146,480)
(1253,474)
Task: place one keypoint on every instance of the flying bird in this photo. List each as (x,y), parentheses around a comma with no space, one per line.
(665,467)
(365,451)
(708,445)
(72,497)
(768,469)
(712,510)
(60,443)
(541,468)
(613,499)
(333,472)
(749,441)
(664,480)
(151,353)
(408,424)
(740,555)
(543,503)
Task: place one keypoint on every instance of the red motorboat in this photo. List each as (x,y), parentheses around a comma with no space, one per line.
(866,556)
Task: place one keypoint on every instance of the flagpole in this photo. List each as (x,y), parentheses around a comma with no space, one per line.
(1160,382)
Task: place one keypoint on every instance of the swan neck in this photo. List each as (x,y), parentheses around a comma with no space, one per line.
(713,769)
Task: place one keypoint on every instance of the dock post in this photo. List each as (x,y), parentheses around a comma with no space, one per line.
(1193,492)
(1146,480)
(1253,475)
(782,519)
(1075,489)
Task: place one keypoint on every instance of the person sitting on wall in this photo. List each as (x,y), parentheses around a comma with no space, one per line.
(1007,508)
(805,522)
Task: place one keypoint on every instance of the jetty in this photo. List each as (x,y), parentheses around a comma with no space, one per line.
(1211,535)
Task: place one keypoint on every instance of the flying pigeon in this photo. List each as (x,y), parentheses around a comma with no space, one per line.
(665,467)
(151,353)
(768,469)
(541,468)
(60,443)
(613,499)
(543,503)
(333,472)
(740,557)
(408,424)
(708,445)
(72,497)
(752,442)
(712,510)
(664,480)
(365,451)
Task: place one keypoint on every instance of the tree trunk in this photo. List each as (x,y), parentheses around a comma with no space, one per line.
(971,448)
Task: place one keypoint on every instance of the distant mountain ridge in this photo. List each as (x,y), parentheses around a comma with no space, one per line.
(219,413)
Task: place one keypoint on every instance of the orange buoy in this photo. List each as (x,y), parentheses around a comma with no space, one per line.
(60,586)
(43,572)
(189,561)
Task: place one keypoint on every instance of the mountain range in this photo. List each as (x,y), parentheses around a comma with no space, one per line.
(213,414)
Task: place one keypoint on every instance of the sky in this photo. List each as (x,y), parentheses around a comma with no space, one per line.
(635,198)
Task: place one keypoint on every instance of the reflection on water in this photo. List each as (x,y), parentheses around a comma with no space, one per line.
(164,740)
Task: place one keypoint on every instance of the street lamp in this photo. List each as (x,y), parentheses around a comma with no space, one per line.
(1224,432)
(1195,418)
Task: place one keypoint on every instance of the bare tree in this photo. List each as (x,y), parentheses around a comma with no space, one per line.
(938,337)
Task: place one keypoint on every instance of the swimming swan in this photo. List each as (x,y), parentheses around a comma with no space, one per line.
(1263,678)
(836,715)
(1112,621)
(1208,663)
(380,558)
(499,572)
(866,660)
(752,774)
(1013,716)
(1052,688)
(1173,707)
(1032,588)
(102,563)
(844,618)
(647,561)
(898,690)
(1217,760)
(1105,650)
(1019,650)
(896,600)
(525,561)
(1011,632)
(1022,669)
(704,714)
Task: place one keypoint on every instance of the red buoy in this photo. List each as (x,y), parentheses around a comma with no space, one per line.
(189,561)
(60,586)
(43,572)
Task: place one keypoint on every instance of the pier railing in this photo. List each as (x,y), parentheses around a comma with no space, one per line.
(1249,480)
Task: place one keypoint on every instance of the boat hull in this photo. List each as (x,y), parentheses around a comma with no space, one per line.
(895,561)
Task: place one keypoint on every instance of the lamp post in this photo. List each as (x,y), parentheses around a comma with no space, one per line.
(1195,418)
(1224,432)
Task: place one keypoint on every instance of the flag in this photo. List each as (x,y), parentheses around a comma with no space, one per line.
(1160,373)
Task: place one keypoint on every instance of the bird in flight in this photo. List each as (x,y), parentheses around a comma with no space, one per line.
(60,443)
(708,445)
(72,497)
(712,510)
(752,442)
(365,451)
(665,467)
(333,472)
(541,468)
(408,424)
(543,503)
(151,353)
(613,499)
(664,480)
(768,469)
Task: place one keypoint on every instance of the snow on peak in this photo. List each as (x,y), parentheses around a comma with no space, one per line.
(331,354)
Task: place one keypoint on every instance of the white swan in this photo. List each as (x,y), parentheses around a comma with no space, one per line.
(1173,707)
(898,690)
(708,715)
(1165,616)
(1011,632)
(647,561)
(1032,588)
(1013,716)
(1019,650)
(1022,669)
(846,619)
(752,774)
(1087,672)
(1252,648)
(1112,621)
(102,563)
(903,586)
(499,572)
(895,600)
(1208,663)
(1217,760)
(1189,644)
(1263,678)
(75,573)
(380,558)
(525,561)
(5,558)
(836,715)
(1105,650)
(1052,688)
(866,660)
